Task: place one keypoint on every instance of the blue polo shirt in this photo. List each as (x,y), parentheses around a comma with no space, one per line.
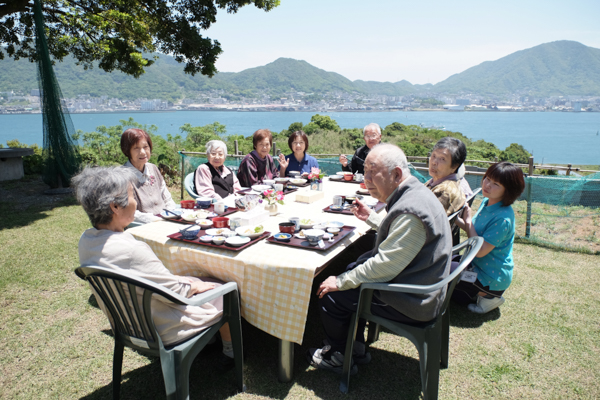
(305,165)
(496,225)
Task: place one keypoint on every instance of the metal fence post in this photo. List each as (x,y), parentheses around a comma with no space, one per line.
(235,142)
(528,195)
(274,149)
(182,172)
(569,170)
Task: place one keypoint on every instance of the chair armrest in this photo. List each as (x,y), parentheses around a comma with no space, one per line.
(205,297)
(400,287)
(474,243)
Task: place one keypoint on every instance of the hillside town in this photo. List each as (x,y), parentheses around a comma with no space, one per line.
(14,102)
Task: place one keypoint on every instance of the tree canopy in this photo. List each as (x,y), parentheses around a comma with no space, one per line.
(118,33)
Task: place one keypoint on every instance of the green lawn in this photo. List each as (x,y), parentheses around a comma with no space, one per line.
(543,343)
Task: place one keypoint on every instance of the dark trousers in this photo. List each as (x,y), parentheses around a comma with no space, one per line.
(336,310)
(466,292)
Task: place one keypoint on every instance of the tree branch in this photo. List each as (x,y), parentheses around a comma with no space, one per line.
(15,6)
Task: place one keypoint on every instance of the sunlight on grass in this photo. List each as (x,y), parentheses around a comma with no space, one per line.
(542,343)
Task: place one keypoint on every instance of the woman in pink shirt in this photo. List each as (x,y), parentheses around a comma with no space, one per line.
(213,179)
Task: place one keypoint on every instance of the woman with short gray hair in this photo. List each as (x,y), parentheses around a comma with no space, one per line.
(106,195)
(213,179)
(447,156)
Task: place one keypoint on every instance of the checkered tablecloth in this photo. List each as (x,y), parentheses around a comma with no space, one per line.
(275,281)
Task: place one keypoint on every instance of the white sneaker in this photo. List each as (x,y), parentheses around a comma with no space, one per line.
(360,355)
(326,359)
(484,305)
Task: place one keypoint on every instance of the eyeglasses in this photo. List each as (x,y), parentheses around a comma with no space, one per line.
(264,145)
(371,137)
(217,154)
(298,143)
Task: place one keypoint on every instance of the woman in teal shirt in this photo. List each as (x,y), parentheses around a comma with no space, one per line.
(502,184)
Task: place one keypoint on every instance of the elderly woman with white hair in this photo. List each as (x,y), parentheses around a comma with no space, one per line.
(107,196)
(213,179)
(372,136)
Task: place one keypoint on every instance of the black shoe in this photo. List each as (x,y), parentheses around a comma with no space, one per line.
(225,363)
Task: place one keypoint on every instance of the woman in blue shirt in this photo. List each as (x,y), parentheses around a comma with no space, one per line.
(502,184)
(299,160)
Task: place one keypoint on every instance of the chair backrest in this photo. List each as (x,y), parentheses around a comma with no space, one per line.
(128,300)
(472,198)
(188,183)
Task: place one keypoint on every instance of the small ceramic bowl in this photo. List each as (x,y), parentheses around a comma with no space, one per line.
(298,181)
(218,240)
(190,234)
(335,208)
(336,177)
(269,182)
(205,223)
(220,222)
(260,188)
(287,227)
(206,238)
(294,174)
(282,237)
(229,234)
(313,236)
(333,231)
(348,177)
(187,204)
(203,202)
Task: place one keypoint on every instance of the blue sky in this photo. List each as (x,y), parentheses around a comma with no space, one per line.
(387,40)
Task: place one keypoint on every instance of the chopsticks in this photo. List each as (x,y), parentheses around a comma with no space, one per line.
(169,211)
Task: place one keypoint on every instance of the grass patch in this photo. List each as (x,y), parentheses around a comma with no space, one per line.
(542,343)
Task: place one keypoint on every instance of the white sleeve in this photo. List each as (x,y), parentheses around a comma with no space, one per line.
(145,218)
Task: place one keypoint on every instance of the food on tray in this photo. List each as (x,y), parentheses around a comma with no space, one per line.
(306,221)
(249,230)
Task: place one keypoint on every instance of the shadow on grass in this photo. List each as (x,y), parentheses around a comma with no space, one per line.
(461,317)
(12,218)
(22,202)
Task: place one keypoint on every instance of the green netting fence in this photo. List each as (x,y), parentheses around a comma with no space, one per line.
(561,211)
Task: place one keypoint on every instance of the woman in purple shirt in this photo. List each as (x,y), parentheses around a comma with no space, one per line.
(258,165)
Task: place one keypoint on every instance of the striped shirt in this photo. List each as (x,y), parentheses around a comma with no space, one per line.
(405,239)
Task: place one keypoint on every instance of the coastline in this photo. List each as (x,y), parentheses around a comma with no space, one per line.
(424,110)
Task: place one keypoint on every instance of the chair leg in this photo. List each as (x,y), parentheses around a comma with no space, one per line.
(117,367)
(445,340)
(345,381)
(373,334)
(429,360)
(235,327)
(171,374)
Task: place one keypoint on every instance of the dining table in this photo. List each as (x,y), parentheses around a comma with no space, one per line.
(274,280)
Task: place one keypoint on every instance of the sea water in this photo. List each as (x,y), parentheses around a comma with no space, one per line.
(552,137)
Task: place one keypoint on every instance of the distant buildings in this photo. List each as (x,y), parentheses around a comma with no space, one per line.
(16,102)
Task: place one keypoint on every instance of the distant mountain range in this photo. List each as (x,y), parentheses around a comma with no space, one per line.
(557,68)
